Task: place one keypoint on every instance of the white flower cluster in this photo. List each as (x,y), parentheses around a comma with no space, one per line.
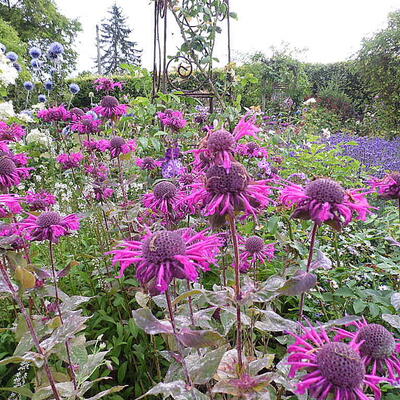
(20,379)
(8,74)
(6,110)
(63,193)
(39,137)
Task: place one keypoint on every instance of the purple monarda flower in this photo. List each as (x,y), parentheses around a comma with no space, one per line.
(255,250)
(166,200)
(388,187)
(225,193)
(10,205)
(110,108)
(161,256)
(49,225)
(174,119)
(53,114)
(72,160)
(379,350)
(86,124)
(333,368)
(40,201)
(326,201)
(10,173)
(12,132)
(148,163)
(118,145)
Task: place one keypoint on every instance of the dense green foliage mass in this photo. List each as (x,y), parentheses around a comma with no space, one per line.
(378,63)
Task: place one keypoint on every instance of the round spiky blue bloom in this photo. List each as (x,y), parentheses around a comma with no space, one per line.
(74,88)
(56,49)
(35,52)
(42,98)
(36,64)
(17,67)
(49,85)
(28,85)
(12,56)
(3,48)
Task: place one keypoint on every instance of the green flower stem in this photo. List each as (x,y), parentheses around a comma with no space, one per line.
(32,331)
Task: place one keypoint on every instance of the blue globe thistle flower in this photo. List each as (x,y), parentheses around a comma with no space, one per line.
(3,48)
(74,88)
(17,67)
(36,64)
(56,49)
(93,114)
(42,98)
(35,52)
(49,85)
(28,85)
(66,131)
(12,56)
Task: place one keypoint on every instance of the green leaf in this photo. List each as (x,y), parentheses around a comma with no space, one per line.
(359,306)
(122,371)
(23,391)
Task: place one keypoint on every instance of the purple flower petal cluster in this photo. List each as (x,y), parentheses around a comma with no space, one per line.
(373,152)
(173,119)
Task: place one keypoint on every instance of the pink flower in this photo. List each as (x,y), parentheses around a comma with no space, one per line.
(10,205)
(252,149)
(76,114)
(118,145)
(40,201)
(110,108)
(325,201)
(11,133)
(107,84)
(86,125)
(49,225)
(255,250)
(219,146)
(71,160)
(379,350)
(20,159)
(148,163)
(225,193)
(388,187)
(99,171)
(332,368)
(246,127)
(161,256)
(10,173)
(174,119)
(54,114)
(14,236)
(166,200)
(97,145)
(101,192)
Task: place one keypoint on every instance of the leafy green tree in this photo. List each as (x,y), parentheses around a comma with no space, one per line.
(379,64)
(39,22)
(115,44)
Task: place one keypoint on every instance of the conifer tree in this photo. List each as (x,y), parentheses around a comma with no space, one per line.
(115,44)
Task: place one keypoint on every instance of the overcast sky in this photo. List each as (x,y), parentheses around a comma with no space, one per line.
(329,30)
